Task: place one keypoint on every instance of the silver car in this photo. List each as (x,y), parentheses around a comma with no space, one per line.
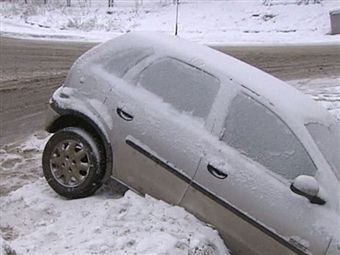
(184,123)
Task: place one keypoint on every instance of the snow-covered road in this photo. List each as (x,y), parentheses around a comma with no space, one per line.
(33,219)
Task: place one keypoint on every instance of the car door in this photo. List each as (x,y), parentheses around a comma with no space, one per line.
(161,112)
(242,185)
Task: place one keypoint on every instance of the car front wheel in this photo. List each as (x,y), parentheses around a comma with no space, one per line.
(71,163)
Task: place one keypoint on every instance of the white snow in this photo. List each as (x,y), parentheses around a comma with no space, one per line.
(307,184)
(35,220)
(48,224)
(205,21)
(325,91)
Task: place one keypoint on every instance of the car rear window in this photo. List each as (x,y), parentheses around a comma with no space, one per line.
(261,135)
(185,87)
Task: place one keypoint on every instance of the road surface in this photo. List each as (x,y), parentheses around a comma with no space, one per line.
(31,70)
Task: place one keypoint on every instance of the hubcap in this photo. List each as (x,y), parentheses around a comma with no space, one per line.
(70,163)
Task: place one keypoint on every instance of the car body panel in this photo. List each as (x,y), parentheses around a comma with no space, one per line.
(71,100)
(258,196)
(150,127)
(245,238)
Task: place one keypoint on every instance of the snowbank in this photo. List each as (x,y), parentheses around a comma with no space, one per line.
(35,220)
(205,21)
(47,224)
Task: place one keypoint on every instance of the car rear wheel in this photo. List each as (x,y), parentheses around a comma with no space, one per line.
(72,163)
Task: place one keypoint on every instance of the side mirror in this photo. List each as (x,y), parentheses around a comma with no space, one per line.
(308,187)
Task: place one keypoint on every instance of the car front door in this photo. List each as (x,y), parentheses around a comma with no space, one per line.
(160,119)
(242,186)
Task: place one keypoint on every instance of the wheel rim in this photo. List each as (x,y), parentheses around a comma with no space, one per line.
(70,163)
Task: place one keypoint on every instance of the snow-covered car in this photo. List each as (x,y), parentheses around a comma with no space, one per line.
(187,124)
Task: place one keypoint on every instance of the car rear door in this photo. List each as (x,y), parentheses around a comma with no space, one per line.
(242,185)
(160,119)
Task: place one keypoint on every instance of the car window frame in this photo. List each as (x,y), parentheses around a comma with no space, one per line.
(132,77)
(272,173)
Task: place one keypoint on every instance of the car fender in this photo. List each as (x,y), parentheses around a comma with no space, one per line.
(67,101)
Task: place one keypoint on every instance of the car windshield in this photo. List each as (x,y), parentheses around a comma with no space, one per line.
(328,140)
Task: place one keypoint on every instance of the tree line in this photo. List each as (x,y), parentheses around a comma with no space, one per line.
(111,3)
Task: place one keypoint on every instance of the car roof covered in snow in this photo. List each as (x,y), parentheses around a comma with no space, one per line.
(281,95)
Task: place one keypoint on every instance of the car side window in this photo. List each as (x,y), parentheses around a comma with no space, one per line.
(185,87)
(258,133)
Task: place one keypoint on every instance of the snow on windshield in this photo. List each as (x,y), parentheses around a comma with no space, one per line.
(259,134)
(186,87)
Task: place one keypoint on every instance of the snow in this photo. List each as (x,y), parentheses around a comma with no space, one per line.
(35,220)
(191,53)
(307,184)
(325,91)
(205,21)
(334,247)
(103,225)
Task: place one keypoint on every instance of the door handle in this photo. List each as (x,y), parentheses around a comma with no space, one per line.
(124,115)
(216,172)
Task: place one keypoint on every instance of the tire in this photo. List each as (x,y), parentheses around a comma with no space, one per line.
(72,163)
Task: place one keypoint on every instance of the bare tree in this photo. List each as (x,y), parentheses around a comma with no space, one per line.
(309,1)
(176,22)
(267,2)
(270,2)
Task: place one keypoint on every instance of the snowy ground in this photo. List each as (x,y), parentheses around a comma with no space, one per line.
(34,220)
(325,91)
(205,21)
